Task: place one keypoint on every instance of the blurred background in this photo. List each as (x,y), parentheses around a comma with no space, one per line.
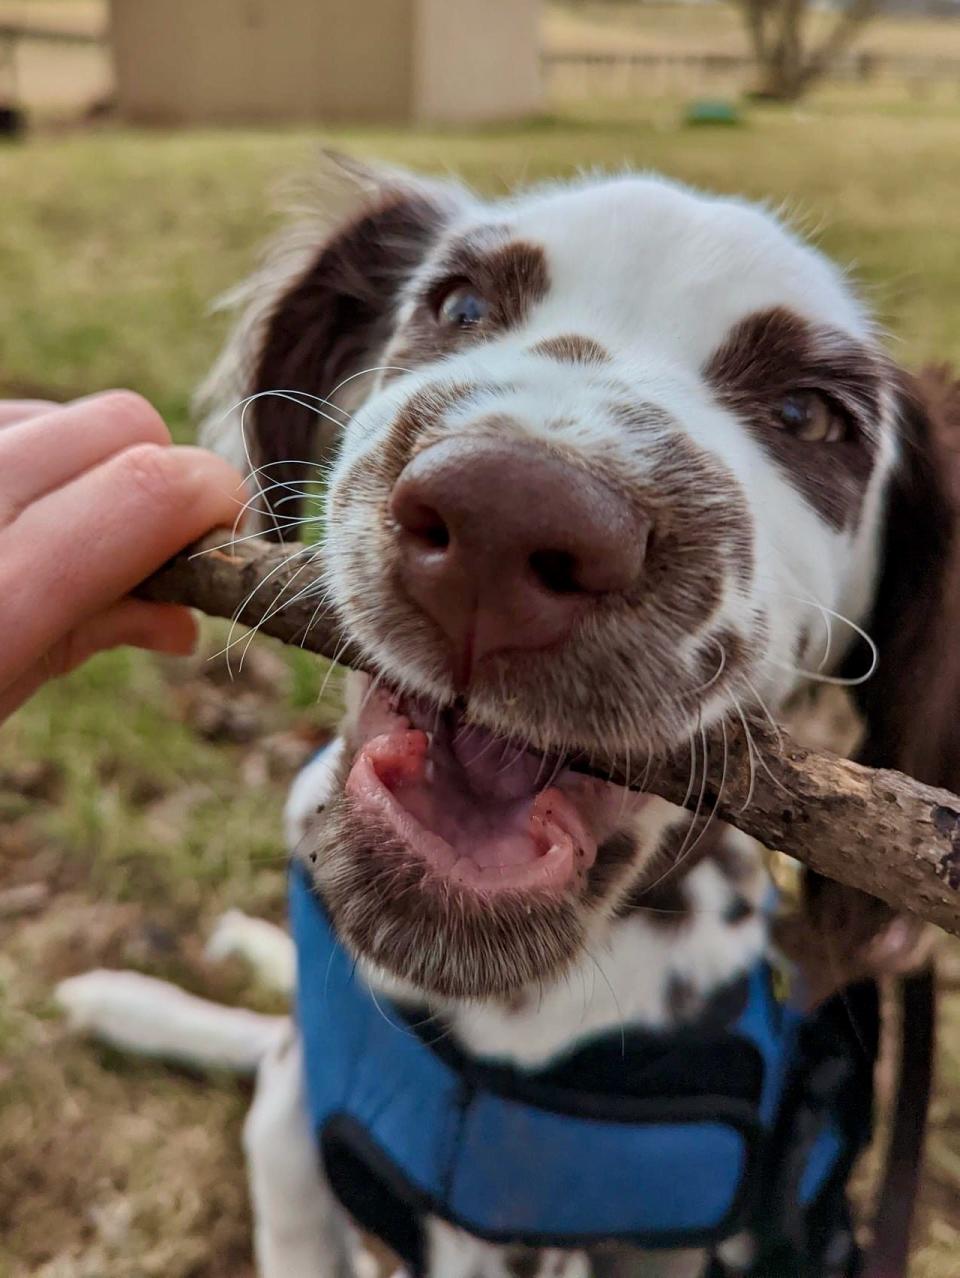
(144,152)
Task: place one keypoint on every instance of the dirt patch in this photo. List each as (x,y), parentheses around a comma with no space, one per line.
(109,1168)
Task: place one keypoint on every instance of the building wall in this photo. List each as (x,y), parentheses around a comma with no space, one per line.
(180,61)
(477,60)
(367,59)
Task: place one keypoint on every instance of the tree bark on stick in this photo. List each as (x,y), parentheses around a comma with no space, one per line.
(872,829)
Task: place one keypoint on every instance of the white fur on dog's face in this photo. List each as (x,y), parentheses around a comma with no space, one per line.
(689,355)
(659,279)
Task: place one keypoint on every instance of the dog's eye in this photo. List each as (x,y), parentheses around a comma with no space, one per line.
(461,306)
(810,416)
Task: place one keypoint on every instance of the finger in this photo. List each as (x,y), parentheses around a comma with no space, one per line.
(49,449)
(133,622)
(165,628)
(21,410)
(78,549)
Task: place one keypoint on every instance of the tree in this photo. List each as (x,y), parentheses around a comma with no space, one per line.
(789,61)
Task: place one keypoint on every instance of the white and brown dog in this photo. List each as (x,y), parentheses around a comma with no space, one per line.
(615,461)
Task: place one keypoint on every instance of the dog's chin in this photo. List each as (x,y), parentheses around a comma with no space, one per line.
(460,862)
(438,937)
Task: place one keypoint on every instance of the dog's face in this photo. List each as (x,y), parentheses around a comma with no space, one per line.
(621,466)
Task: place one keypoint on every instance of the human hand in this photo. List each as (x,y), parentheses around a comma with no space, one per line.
(93,498)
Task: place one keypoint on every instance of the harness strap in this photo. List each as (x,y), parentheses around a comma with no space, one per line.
(889,1254)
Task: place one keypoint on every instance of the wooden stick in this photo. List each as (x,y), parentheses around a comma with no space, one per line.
(872,829)
(258,583)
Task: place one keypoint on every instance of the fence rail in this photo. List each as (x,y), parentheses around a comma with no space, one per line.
(863,66)
(11,32)
(574,73)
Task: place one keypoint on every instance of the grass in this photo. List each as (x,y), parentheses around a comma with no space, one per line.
(147,795)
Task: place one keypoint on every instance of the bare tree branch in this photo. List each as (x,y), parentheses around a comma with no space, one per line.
(788,64)
(871,829)
(819,60)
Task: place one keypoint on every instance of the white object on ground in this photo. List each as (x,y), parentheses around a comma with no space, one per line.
(267,948)
(139,1014)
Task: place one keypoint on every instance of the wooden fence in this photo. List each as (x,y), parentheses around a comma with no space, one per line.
(581,74)
(592,74)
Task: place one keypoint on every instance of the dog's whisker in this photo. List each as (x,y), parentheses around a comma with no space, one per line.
(235,621)
(240,404)
(827,615)
(705,687)
(365,372)
(332,667)
(281,603)
(377,681)
(693,765)
(311,622)
(621,1019)
(751,751)
(777,731)
(232,542)
(625,792)
(300,398)
(692,832)
(763,764)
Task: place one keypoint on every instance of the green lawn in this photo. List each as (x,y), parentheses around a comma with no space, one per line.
(145,796)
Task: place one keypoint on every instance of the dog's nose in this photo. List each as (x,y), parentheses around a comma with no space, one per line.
(505,543)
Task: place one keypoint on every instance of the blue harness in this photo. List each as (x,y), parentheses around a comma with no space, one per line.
(750,1119)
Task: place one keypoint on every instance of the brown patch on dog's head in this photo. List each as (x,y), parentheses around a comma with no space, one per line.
(509,275)
(776,354)
(570,348)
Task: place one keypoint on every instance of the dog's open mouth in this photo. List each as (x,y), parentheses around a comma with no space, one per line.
(478,810)
(459,860)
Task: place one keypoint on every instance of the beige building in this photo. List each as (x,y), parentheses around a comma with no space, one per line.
(416,61)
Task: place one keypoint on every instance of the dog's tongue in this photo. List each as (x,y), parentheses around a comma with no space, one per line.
(495,768)
(469,805)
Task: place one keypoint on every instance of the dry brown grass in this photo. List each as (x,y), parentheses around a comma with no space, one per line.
(106,1170)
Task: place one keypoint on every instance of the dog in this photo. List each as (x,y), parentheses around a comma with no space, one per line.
(607,464)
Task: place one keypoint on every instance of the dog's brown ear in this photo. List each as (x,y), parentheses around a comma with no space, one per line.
(327,326)
(912,703)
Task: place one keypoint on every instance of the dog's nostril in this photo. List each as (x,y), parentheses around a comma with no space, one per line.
(556,571)
(428,527)
(437,535)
